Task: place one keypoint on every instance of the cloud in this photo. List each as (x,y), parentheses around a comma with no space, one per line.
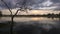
(55,1)
(48,4)
(33,4)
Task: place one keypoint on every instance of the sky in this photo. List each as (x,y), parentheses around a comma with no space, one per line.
(30,12)
(32,4)
(36,5)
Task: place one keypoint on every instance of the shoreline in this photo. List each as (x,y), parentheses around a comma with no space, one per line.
(52,16)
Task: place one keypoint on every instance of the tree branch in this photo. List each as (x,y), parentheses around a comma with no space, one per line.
(7,6)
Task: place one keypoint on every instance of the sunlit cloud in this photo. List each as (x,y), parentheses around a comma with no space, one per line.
(47,3)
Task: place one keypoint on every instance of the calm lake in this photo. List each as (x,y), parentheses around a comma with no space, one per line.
(32,20)
(44,22)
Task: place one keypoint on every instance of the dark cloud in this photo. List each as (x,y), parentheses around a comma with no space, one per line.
(56,1)
(34,4)
(8,2)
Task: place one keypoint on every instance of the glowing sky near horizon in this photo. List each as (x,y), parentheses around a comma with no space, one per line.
(31,12)
(32,4)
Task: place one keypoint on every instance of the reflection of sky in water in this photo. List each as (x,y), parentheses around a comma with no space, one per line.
(38,19)
(27,19)
(47,23)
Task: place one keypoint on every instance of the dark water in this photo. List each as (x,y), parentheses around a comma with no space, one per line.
(34,24)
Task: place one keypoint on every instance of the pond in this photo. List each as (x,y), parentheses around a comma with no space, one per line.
(30,23)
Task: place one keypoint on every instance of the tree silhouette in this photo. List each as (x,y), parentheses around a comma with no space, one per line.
(22,8)
(0,13)
(59,14)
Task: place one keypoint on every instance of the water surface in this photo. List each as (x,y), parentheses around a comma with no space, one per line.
(43,22)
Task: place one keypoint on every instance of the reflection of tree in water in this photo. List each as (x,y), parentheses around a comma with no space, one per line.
(59,16)
(52,18)
(0,14)
(59,19)
(0,17)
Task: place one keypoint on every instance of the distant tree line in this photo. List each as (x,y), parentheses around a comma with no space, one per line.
(53,14)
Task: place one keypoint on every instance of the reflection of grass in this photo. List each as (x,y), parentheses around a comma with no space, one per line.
(54,31)
(28,29)
(3,25)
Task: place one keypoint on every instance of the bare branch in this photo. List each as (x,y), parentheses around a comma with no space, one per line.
(7,6)
(23,6)
(16,12)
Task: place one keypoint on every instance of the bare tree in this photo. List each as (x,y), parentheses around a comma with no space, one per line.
(0,13)
(12,16)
